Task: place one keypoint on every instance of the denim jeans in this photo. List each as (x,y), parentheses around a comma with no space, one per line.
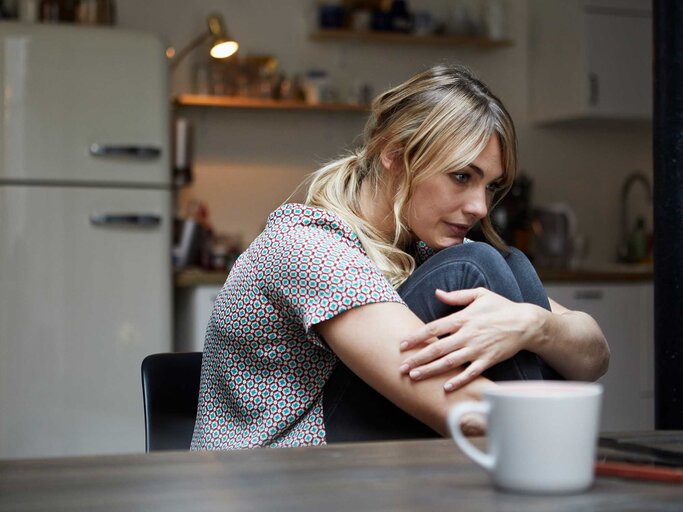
(353,411)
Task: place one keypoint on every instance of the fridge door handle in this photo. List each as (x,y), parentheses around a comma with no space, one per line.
(139,220)
(108,150)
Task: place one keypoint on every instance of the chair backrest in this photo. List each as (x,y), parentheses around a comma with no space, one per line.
(170,390)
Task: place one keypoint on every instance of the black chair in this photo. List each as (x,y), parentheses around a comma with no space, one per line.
(170,390)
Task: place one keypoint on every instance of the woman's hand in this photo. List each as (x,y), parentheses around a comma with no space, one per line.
(490,329)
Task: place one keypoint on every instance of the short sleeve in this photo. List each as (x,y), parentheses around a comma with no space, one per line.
(317,271)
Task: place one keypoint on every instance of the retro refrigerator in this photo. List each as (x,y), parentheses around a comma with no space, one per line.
(85,235)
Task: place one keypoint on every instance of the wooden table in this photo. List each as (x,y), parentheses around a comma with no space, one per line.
(412,476)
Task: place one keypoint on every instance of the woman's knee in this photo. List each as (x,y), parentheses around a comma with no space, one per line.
(463,266)
(515,257)
(530,285)
(482,254)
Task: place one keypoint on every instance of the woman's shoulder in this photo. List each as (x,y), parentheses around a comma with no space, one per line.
(291,217)
(297,213)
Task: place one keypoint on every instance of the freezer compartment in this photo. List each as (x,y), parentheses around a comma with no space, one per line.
(82,304)
(82,105)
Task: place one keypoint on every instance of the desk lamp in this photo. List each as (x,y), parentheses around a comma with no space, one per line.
(222,46)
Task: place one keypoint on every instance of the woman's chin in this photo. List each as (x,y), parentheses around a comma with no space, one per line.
(446,242)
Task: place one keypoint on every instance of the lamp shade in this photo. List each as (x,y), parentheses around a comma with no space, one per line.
(223,49)
(222,45)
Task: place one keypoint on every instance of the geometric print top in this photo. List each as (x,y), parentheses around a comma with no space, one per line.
(264,368)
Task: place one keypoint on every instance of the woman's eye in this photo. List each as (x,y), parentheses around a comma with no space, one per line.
(460,177)
(493,187)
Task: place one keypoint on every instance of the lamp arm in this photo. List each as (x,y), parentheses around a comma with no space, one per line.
(180,55)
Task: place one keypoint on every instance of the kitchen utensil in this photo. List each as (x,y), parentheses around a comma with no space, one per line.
(554,227)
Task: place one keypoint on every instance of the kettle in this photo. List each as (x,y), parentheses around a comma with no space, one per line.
(554,228)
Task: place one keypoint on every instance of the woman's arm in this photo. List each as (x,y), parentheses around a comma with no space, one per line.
(491,328)
(572,343)
(367,338)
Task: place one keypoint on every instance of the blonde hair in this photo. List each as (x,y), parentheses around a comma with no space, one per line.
(436,122)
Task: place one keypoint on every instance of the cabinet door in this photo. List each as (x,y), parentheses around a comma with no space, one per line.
(619,63)
(590,59)
(82,305)
(624,312)
(67,88)
(192,311)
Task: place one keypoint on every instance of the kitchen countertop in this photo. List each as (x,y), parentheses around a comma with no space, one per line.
(198,277)
(617,273)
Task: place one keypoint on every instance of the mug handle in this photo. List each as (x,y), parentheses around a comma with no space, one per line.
(485,460)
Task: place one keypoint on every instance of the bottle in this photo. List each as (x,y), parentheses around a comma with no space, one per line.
(493,19)
(381,17)
(637,242)
(28,11)
(401,19)
(316,86)
(182,152)
(96,12)
(206,235)
(51,11)
(86,12)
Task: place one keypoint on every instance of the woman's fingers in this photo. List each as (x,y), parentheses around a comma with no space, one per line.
(459,297)
(452,359)
(430,332)
(474,370)
(435,350)
(446,325)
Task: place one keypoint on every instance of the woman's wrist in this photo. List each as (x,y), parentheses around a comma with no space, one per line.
(540,329)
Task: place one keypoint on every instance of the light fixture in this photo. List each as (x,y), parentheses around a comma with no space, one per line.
(222,45)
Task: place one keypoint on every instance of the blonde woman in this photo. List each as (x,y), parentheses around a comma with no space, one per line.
(363,314)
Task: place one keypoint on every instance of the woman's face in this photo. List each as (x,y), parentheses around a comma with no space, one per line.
(444,207)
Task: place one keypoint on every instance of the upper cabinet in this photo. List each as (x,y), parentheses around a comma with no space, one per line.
(590,59)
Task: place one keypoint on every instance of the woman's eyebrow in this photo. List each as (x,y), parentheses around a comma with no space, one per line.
(476,169)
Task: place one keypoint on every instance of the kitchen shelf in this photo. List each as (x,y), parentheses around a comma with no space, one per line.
(393,37)
(199,100)
(190,277)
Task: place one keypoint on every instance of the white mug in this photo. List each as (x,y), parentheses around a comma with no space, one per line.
(542,436)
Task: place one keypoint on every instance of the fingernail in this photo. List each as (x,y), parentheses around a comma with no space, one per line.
(404,368)
(415,374)
(448,386)
(404,345)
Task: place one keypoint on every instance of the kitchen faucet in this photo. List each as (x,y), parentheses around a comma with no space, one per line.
(631,179)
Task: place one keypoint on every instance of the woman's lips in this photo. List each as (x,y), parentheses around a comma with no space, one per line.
(458,230)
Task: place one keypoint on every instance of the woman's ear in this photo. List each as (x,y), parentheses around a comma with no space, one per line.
(388,157)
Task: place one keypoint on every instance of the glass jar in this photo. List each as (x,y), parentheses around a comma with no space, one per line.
(96,12)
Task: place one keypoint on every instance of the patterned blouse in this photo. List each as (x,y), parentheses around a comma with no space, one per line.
(264,368)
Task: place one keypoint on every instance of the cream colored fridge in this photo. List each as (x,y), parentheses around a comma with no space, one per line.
(85,235)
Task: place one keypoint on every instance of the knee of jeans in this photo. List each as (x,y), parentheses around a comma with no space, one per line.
(515,257)
(482,253)
(513,252)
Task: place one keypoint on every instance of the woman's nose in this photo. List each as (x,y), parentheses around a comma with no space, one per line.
(477,204)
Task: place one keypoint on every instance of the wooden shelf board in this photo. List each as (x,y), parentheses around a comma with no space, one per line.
(393,37)
(199,100)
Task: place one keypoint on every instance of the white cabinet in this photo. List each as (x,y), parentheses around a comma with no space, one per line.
(193,306)
(625,313)
(590,59)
